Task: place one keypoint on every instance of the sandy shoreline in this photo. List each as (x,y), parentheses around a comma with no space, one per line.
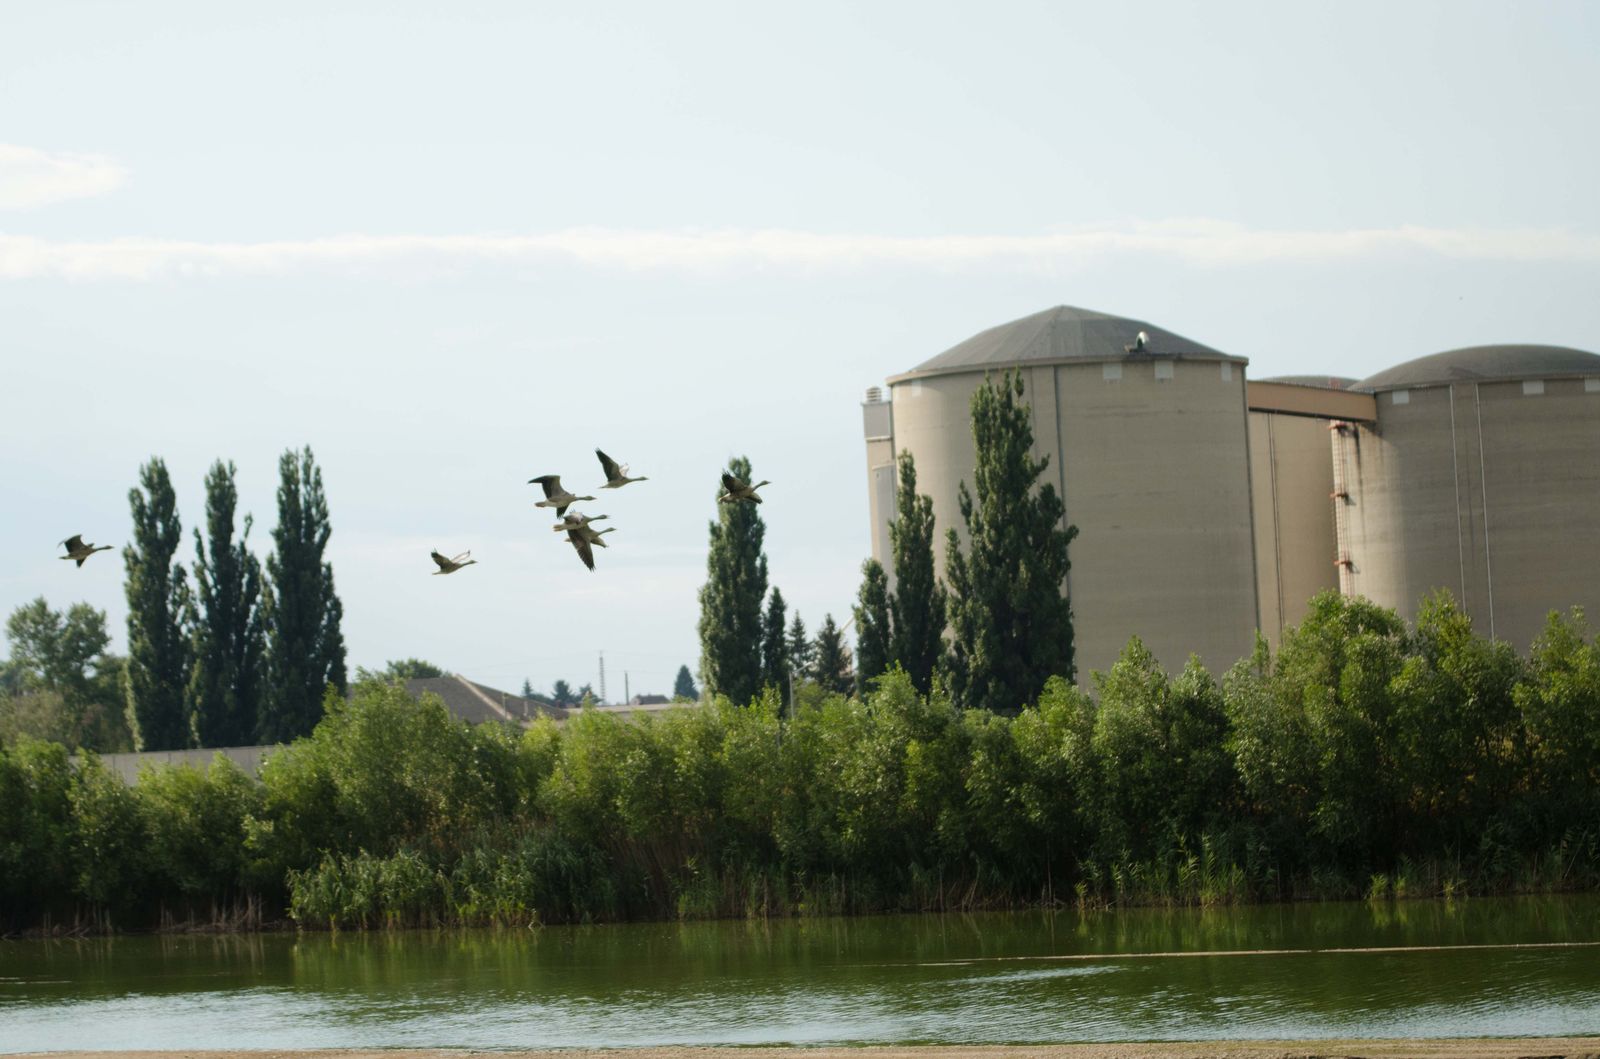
(1469,1048)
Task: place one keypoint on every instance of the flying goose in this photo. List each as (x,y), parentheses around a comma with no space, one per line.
(616,475)
(450,566)
(554,495)
(737,490)
(80,551)
(594,536)
(576,520)
(580,544)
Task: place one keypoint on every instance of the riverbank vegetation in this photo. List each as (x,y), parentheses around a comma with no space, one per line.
(1364,759)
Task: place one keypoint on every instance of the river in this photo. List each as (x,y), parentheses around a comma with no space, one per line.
(1482,967)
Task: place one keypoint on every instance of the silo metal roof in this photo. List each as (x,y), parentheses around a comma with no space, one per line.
(1064,333)
(1484,364)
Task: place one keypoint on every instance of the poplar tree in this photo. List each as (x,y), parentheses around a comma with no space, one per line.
(872,625)
(774,647)
(730,600)
(305,647)
(801,651)
(158,608)
(229,643)
(830,665)
(918,604)
(683,687)
(1011,625)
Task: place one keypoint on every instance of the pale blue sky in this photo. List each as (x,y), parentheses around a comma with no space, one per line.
(455,246)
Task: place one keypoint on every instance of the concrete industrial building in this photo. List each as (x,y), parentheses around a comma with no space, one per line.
(1291,488)
(1148,450)
(1481,474)
(1209,507)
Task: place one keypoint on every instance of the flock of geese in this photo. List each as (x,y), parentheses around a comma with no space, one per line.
(579,529)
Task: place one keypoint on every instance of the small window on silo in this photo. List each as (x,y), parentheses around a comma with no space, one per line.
(1111,372)
(1227,372)
(1400,397)
(1163,369)
(1532,387)
(1591,385)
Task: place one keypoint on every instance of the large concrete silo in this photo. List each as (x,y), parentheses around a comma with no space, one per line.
(1480,475)
(1292,488)
(1148,448)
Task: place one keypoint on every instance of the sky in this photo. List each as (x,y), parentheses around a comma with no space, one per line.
(452,247)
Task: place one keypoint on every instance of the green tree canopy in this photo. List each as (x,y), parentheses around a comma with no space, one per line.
(1011,624)
(730,600)
(66,687)
(872,625)
(228,646)
(774,646)
(801,650)
(159,608)
(412,669)
(918,605)
(561,695)
(683,687)
(305,645)
(830,661)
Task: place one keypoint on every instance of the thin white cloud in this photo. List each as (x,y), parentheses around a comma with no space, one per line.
(1198,242)
(30,177)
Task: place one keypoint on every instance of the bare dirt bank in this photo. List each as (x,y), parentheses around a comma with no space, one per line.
(1474,1048)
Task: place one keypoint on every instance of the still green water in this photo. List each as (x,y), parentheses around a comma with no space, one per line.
(1500,967)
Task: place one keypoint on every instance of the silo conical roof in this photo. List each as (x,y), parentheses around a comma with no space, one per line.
(1484,364)
(1064,333)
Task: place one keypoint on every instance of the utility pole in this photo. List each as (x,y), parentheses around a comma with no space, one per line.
(602,678)
(627,689)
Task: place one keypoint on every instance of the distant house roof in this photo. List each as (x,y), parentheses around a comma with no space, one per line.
(648,700)
(476,703)
(1062,333)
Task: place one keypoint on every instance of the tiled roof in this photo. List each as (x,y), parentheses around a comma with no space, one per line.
(476,703)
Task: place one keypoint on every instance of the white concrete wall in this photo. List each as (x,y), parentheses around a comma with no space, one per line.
(1485,489)
(1291,471)
(1154,473)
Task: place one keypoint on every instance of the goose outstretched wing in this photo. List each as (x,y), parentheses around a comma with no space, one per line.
(731,483)
(585,552)
(551,483)
(609,465)
(73,543)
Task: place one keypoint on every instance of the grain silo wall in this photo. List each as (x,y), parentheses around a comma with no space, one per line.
(1489,489)
(1291,467)
(1151,458)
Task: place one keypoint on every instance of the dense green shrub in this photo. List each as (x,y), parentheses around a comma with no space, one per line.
(1364,758)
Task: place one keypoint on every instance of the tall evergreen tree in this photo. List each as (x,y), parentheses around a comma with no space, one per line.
(1011,624)
(730,600)
(774,646)
(561,695)
(158,609)
(872,625)
(228,647)
(830,663)
(527,688)
(305,647)
(918,605)
(683,687)
(801,650)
